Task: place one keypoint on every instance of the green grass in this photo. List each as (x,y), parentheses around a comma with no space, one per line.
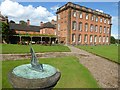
(14,48)
(73,74)
(107,51)
(0,75)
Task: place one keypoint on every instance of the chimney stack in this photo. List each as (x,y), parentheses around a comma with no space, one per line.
(28,22)
(52,21)
(41,23)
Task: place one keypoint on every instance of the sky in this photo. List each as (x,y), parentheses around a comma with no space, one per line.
(46,11)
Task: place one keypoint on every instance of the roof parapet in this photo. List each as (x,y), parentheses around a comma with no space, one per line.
(82,8)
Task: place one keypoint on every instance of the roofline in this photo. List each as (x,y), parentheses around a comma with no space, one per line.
(47,27)
(82,8)
(26,26)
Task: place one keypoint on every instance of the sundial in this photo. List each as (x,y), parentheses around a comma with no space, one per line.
(34,62)
(35,74)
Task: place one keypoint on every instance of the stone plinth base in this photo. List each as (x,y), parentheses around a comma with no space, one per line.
(42,83)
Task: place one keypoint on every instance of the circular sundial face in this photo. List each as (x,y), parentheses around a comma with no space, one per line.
(26,71)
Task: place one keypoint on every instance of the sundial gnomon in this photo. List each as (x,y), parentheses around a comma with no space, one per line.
(34,61)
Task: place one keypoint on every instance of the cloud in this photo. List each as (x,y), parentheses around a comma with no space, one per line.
(114,30)
(54,8)
(17,12)
(115,36)
(115,20)
(99,10)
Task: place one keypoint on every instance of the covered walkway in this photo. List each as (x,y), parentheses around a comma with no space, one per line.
(25,39)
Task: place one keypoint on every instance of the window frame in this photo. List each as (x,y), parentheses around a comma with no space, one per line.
(74,25)
(91,40)
(86,27)
(96,18)
(80,15)
(104,20)
(87,16)
(92,17)
(108,30)
(101,19)
(80,26)
(58,27)
(85,38)
(91,28)
(104,29)
(96,28)
(73,37)
(95,38)
(100,29)
(103,39)
(80,38)
(100,39)
(74,14)
(107,39)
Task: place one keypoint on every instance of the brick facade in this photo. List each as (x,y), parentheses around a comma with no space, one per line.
(80,25)
(44,28)
(43,34)
(48,31)
(26,32)
(48,28)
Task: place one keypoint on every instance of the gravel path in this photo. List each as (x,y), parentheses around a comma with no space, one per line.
(103,70)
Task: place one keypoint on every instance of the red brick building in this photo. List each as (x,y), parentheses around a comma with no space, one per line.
(46,32)
(79,25)
(47,28)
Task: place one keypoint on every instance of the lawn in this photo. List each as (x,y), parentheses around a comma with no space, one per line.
(107,51)
(73,74)
(0,74)
(14,48)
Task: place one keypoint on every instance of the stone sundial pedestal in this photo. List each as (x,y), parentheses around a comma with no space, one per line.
(34,75)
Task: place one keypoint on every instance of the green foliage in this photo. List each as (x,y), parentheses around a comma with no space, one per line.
(5,32)
(11,21)
(73,74)
(14,48)
(0,24)
(35,35)
(107,51)
(22,22)
(0,29)
(5,28)
(118,41)
(0,73)
(112,40)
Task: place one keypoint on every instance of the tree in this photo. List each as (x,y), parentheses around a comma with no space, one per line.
(112,40)
(118,41)
(22,22)
(5,32)
(11,21)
